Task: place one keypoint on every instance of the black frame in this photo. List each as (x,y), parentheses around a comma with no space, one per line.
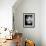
(29,23)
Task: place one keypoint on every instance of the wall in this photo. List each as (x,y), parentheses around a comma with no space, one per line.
(28,6)
(43,22)
(6,13)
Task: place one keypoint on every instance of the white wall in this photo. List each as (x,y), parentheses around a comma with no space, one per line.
(29,6)
(6,13)
(43,22)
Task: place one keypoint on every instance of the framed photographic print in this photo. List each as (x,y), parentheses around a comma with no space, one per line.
(29,20)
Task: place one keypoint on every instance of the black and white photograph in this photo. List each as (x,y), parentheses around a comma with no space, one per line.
(29,20)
